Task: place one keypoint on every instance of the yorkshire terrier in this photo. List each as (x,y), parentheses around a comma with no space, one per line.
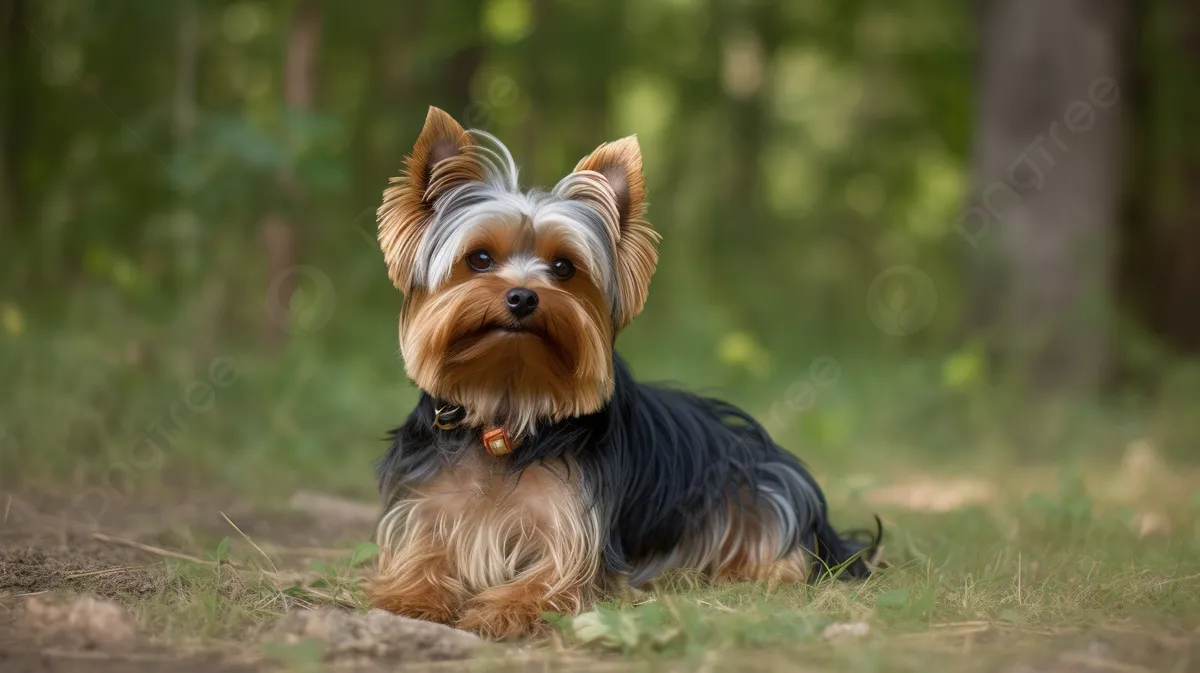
(535,474)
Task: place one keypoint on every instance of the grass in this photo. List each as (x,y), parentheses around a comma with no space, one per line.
(1053,567)
(237,598)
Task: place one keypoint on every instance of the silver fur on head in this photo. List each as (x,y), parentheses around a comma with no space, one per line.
(590,225)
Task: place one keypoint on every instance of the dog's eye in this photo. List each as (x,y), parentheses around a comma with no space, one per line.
(562,268)
(480,260)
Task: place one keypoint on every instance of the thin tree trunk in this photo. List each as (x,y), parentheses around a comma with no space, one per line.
(300,66)
(279,229)
(1160,236)
(535,90)
(1049,141)
(750,40)
(15,104)
(1183,326)
(183,109)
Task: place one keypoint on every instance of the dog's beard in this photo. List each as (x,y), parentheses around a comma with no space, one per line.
(464,346)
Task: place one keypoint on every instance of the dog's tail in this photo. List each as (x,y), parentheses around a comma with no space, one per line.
(853,555)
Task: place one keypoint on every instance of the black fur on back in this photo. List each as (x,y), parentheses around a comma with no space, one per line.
(661,465)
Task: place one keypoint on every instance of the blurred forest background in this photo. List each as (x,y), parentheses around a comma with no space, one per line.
(894,231)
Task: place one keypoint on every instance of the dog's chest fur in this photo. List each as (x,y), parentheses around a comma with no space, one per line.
(484,526)
(480,486)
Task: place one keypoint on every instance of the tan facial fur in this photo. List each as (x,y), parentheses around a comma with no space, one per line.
(452,325)
(457,346)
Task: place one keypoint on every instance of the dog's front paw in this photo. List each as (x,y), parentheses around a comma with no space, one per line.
(502,613)
(418,607)
(419,600)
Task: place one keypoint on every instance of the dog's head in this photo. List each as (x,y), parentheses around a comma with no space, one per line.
(512,298)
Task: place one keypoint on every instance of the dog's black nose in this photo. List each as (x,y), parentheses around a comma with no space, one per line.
(521,301)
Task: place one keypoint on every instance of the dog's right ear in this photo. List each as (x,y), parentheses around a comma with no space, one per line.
(442,158)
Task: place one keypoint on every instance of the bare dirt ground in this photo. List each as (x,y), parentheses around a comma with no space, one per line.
(52,549)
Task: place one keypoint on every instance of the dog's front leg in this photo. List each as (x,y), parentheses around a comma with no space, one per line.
(558,569)
(415,576)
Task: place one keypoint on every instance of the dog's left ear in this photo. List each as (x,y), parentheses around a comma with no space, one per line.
(443,157)
(620,164)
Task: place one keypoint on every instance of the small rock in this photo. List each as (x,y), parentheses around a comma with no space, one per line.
(927,494)
(77,622)
(330,507)
(1142,470)
(846,631)
(358,638)
(1152,523)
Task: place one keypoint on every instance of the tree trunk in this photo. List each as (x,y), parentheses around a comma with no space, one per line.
(1160,236)
(1048,153)
(279,230)
(751,36)
(183,107)
(15,104)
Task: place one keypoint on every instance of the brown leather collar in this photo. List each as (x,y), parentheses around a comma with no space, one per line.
(496,440)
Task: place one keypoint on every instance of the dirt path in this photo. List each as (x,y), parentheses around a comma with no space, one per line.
(52,546)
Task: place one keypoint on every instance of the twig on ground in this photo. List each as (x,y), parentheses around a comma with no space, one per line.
(274,569)
(105,571)
(1173,580)
(957,631)
(153,550)
(715,605)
